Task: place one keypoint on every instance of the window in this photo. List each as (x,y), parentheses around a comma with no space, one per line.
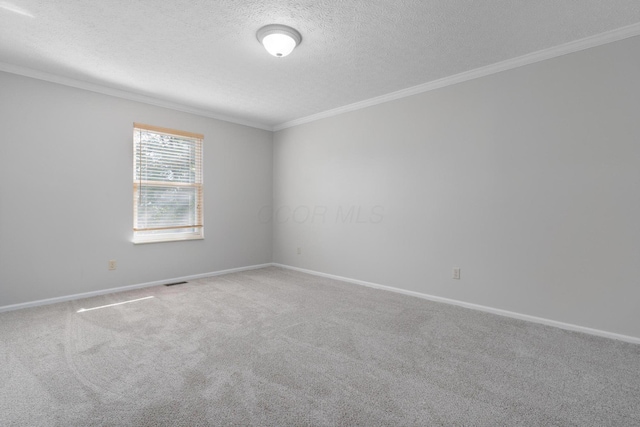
(167,184)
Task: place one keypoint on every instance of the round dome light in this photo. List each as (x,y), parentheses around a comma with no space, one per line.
(278,40)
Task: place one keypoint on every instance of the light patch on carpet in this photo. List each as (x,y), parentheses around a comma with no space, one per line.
(82,310)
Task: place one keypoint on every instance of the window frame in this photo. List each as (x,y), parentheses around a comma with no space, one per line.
(191,231)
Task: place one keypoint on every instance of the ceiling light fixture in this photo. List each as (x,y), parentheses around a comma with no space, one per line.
(279,40)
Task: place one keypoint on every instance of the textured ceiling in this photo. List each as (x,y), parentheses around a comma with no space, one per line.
(203,54)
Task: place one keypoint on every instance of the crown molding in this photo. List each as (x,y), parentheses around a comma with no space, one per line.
(124,94)
(531,58)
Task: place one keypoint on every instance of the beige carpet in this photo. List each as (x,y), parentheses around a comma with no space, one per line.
(274,347)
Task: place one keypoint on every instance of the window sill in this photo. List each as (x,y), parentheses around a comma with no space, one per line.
(164,239)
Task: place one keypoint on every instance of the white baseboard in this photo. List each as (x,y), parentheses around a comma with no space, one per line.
(561,325)
(127,288)
(526,317)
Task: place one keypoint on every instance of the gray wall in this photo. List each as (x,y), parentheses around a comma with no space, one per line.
(66,200)
(528,180)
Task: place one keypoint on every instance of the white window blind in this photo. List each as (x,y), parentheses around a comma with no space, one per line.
(167,184)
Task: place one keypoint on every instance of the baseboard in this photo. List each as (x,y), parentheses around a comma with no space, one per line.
(500,312)
(126,288)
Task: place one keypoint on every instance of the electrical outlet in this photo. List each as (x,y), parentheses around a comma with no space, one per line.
(299,251)
(112,264)
(456,273)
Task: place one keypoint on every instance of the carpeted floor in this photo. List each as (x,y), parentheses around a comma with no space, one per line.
(274,347)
